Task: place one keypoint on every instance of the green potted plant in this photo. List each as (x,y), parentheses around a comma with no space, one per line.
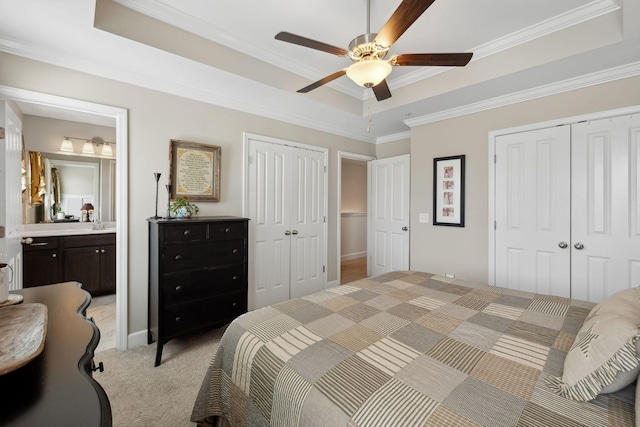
(182,208)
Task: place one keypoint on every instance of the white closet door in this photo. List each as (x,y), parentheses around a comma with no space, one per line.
(606,207)
(532,211)
(389,235)
(268,206)
(307,222)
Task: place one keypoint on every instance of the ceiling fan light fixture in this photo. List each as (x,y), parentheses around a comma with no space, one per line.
(369,73)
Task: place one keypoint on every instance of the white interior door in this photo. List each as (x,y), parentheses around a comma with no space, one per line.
(389,234)
(11,193)
(532,212)
(269,190)
(606,203)
(286,205)
(307,222)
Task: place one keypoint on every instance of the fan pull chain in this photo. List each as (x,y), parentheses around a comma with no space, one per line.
(369,123)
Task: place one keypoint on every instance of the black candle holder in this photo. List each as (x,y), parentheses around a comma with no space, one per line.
(168,201)
(157,176)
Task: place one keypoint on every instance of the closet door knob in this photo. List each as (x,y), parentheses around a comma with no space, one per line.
(287,233)
(579,246)
(294,232)
(563,245)
(405,228)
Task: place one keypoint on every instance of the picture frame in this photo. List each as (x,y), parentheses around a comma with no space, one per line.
(448,191)
(194,171)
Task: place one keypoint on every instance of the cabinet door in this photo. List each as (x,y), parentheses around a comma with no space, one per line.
(83,265)
(108,269)
(41,267)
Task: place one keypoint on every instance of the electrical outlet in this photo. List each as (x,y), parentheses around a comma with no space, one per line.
(424,218)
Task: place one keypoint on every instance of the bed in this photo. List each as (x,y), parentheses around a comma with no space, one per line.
(416,349)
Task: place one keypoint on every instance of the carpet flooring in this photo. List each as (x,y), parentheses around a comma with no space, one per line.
(143,395)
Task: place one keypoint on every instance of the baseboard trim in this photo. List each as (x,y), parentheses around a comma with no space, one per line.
(137,339)
(355,255)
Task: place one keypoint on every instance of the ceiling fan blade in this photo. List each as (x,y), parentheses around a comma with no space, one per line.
(381,90)
(405,15)
(323,81)
(433,59)
(313,44)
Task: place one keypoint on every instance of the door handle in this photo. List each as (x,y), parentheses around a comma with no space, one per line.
(563,245)
(294,232)
(405,228)
(578,246)
(287,233)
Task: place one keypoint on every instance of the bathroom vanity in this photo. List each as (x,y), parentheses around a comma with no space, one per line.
(79,254)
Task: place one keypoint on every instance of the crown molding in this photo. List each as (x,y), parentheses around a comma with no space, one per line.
(557,23)
(612,74)
(393,137)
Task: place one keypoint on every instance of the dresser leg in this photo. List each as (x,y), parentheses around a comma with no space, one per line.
(158,353)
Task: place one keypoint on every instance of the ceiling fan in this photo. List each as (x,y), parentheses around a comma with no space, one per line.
(367,51)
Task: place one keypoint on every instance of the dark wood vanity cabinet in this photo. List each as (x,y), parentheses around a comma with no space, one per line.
(89,259)
(42,262)
(197,275)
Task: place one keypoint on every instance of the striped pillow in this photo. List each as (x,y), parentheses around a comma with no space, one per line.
(604,357)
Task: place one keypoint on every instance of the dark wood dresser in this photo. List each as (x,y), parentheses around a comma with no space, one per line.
(197,275)
(56,388)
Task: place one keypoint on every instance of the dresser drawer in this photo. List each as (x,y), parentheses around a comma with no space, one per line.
(185,232)
(186,286)
(203,254)
(194,315)
(226,230)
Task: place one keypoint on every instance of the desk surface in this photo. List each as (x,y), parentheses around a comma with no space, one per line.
(55,388)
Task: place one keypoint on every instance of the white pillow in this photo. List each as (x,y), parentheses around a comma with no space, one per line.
(604,356)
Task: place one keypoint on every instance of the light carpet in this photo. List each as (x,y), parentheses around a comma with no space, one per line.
(143,395)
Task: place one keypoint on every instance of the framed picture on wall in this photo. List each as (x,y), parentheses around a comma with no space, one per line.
(195,171)
(448,191)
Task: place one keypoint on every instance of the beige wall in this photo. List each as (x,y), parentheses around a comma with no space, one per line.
(154,119)
(463,251)
(392,149)
(354,186)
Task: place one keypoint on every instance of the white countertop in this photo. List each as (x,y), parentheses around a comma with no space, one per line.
(66,229)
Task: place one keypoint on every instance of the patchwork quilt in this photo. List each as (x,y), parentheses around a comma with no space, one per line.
(403,349)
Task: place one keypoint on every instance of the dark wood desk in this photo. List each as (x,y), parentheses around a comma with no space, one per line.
(56,388)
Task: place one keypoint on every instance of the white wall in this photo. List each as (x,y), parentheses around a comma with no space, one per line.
(463,251)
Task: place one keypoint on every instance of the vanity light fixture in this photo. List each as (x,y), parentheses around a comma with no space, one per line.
(89,145)
(66,145)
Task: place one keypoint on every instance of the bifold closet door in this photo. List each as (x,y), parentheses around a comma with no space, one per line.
(532,211)
(606,207)
(286,208)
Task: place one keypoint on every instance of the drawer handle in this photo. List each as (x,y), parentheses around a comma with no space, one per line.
(178,257)
(102,250)
(178,288)
(186,232)
(235,278)
(178,319)
(97,251)
(38,244)
(234,305)
(54,255)
(235,251)
(227,230)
